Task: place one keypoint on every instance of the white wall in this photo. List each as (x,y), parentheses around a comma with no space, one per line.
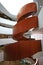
(40,18)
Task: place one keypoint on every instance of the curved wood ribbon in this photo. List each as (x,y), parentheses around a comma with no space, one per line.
(23,26)
(27,10)
(24,47)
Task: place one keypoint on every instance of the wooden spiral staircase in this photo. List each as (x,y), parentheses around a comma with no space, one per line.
(25,47)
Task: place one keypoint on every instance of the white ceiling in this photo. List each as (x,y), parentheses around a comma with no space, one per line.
(13,6)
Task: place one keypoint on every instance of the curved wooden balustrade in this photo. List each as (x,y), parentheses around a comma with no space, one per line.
(23,26)
(27,10)
(24,47)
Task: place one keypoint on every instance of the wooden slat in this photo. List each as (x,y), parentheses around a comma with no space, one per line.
(5,36)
